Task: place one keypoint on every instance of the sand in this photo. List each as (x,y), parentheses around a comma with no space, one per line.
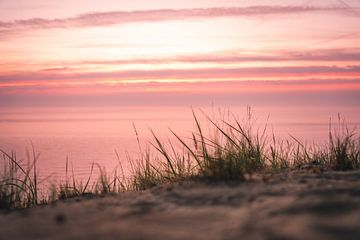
(289,205)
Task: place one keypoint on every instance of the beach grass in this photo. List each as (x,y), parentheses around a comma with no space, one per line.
(18,181)
(228,149)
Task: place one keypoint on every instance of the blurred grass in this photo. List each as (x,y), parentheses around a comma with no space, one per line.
(229,149)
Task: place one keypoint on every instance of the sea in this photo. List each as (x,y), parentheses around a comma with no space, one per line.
(71,140)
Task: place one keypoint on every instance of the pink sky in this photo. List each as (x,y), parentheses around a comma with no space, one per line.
(185,52)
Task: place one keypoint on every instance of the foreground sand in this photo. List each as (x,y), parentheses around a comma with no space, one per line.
(291,205)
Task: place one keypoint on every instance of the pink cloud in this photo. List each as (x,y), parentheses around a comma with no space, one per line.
(199,73)
(123,17)
(352,54)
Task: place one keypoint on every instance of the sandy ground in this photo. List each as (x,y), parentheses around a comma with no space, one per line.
(292,205)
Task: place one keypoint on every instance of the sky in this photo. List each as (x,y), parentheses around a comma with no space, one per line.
(160,52)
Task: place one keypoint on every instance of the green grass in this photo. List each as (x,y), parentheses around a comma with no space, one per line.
(343,149)
(226,149)
(18,181)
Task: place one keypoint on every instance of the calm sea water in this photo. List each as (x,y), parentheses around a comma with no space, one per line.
(87,135)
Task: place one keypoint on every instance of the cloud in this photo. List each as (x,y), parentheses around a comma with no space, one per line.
(123,17)
(191,85)
(238,57)
(217,87)
(183,74)
(229,58)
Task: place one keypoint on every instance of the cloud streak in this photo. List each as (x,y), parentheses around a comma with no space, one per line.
(329,57)
(198,73)
(123,17)
(238,57)
(204,86)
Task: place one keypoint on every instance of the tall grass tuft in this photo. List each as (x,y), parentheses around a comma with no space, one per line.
(145,174)
(343,148)
(73,188)
(232,153)
(18,181)
(237,149)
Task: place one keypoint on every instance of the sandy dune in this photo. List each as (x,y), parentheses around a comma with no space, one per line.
(292,205)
